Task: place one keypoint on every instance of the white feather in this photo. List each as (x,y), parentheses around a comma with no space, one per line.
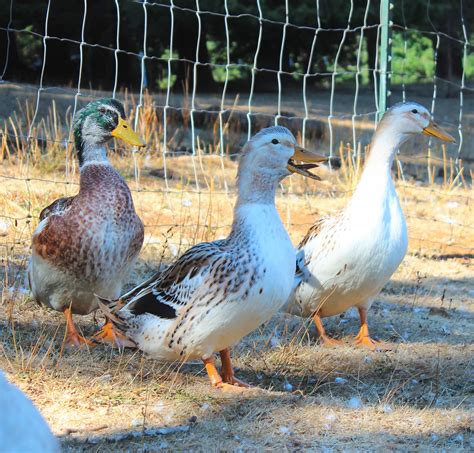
(22,428)
(240,314)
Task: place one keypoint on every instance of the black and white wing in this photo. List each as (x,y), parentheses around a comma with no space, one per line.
(173,288)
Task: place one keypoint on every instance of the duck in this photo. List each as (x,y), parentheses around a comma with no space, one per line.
(218,292)
(88,243)
(22,427)
(350,255)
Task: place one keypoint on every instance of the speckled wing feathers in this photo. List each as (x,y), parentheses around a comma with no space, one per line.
(86,244)
(312,232)
(174,287)
(58,206)
(325,230)
(326,226)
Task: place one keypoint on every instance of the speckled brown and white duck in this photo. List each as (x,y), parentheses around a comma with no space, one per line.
(88,243)
(351,255)
(217,292)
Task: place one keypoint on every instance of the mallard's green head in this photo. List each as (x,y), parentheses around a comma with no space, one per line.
(97,123)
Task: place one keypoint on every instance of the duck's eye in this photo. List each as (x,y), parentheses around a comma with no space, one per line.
(275,141)
(102,110)
(415,111)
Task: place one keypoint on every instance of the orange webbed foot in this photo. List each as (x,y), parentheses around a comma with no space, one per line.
(108,334)
(368,342)
(228,376)
(232,388)
(329,342)
(74,339)
(226,382)
(232,380)
(363,338)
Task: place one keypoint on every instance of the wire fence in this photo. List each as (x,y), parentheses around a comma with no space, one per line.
(286,65)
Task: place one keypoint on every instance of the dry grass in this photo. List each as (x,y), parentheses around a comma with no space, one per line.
(417,396)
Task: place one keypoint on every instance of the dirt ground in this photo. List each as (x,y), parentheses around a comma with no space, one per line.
(418,396)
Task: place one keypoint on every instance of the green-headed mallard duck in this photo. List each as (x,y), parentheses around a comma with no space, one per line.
(88,243)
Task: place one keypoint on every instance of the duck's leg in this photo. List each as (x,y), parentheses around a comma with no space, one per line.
(215,377)
(228,372)
(73,337)
(363,337)
(328,341)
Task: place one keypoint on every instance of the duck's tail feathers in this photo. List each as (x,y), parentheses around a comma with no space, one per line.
(110,309)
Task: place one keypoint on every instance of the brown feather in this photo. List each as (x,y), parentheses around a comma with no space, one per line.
(58,206)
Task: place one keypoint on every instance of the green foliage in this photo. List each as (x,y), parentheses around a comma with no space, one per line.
(162,81)
(65,22)
(218,55)
(29,48)
(469,60)
(347,71)
(417,64)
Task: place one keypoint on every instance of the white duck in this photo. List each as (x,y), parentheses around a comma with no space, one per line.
(217,292)
(352,254)
(22,428)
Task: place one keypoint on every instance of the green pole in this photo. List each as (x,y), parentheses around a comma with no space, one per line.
(385,57)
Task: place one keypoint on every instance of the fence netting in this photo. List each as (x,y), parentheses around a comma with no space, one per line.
(198,78)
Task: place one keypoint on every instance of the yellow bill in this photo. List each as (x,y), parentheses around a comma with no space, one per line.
(124,132)
(307,156)
(435,131)
(310,157)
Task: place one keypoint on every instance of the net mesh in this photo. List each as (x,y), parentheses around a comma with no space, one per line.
(199,78)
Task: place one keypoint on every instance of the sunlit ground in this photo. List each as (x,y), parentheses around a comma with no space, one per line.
(417,396)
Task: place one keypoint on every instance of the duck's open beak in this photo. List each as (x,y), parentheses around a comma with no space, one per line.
(127,134)
(435,131)
(310,157)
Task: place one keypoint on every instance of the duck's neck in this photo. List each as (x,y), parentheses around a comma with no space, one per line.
(256,198)
(376,175)
(256,188)
(89,151)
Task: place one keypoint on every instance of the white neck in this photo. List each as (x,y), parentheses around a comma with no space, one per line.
(258,223)
(257,187)
(385,143)
(376,176)
(255,200)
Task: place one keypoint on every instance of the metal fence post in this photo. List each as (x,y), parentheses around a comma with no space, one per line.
(385,59)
